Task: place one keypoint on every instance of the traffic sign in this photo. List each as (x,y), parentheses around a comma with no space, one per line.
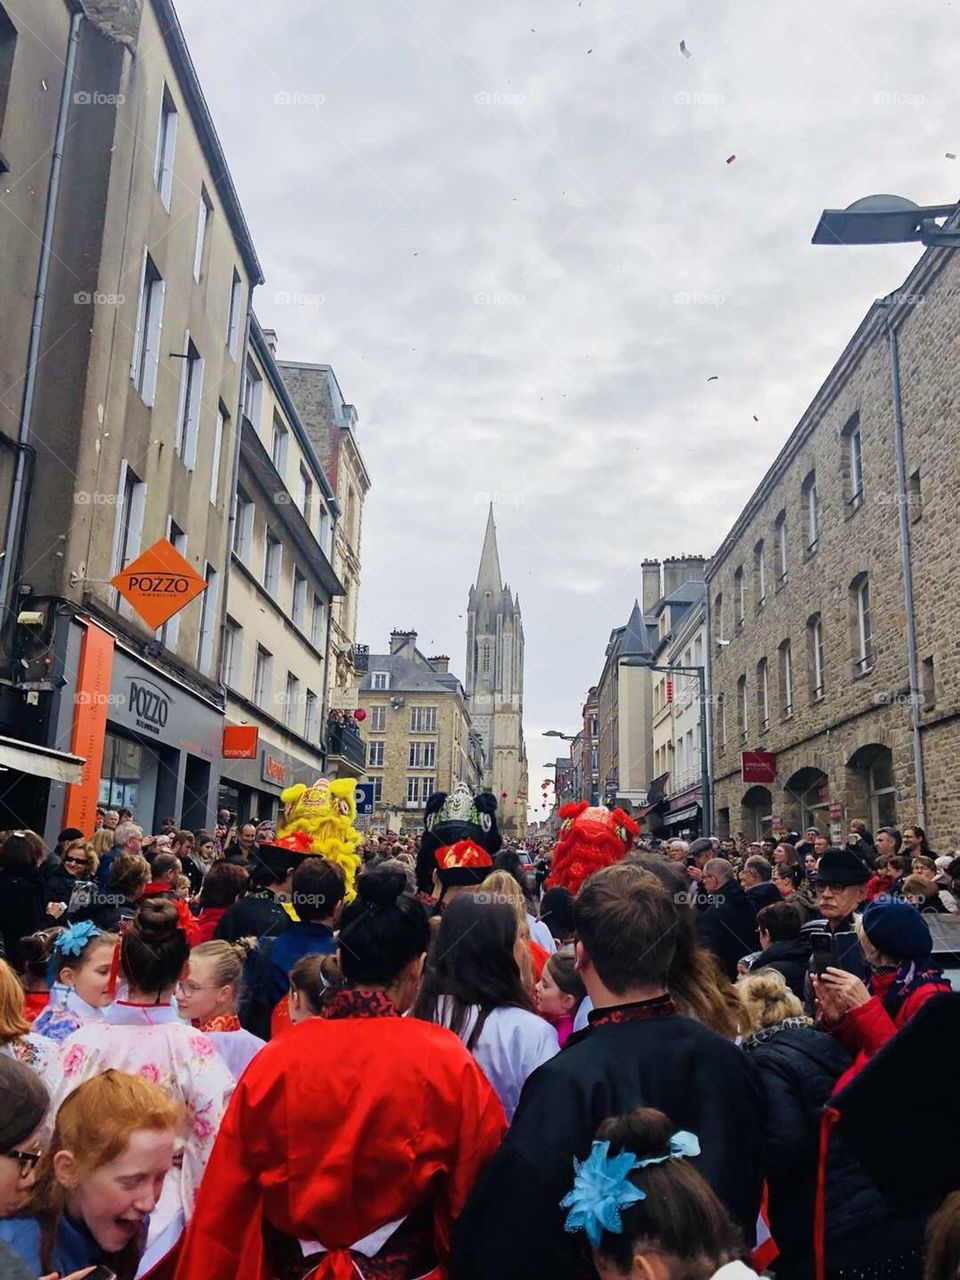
(159,583)
(364,798)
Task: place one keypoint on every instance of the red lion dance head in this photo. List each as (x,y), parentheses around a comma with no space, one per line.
(590,839)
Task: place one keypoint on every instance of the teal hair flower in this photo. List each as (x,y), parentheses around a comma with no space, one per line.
(600,1190)
(70,943)
(683,1143)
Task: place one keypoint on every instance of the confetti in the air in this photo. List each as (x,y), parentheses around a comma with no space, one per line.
(730,159)
(684,50)
(713,377)
(951,155)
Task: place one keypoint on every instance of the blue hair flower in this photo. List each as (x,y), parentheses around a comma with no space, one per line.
(601,1185)
(600,1190)
(70,943)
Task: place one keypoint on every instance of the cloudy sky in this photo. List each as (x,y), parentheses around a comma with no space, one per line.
(513,231)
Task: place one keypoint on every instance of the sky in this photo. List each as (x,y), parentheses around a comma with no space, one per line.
(526,235)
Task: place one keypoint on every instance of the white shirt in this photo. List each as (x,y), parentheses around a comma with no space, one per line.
(512,1044)
(540,932)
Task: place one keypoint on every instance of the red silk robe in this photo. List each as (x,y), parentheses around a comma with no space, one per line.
(340,1126)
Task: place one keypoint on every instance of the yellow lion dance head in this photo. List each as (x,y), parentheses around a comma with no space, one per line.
(319,820)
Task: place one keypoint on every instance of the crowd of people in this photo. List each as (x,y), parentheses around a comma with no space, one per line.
(224,1055)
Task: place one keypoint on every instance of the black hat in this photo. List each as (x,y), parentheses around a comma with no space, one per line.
(841,866)
(69,833)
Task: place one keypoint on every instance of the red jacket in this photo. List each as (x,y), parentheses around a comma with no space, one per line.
(867,1028)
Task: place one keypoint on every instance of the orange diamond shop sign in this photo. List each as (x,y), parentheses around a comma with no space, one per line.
(159,583)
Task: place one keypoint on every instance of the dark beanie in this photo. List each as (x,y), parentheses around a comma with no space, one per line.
(23,1102)
(897,929)
(69,833)
(841,866)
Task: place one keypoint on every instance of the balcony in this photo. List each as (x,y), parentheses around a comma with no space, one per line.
(346,751)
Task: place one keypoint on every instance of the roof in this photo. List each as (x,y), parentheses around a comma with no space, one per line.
(687,593)
(409,675)
(634,640)
(489,577)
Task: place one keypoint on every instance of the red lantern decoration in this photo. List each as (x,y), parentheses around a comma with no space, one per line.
(503,795)
(359,715)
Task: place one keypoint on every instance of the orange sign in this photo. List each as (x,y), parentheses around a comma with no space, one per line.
(159,583)
(91,698)
(240,741)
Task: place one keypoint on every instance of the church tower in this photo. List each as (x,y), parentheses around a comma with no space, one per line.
(494,684)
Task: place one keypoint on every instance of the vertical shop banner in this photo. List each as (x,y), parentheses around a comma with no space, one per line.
(91,701)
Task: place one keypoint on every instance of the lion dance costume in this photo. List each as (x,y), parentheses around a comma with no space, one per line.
(319,820)
(590,839)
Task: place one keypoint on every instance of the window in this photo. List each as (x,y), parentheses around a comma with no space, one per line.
(310,716)
(853,463)
(278,446)
(166,148)
(377,789)
(146,339)
(222,419)
(234,313)
(815,643)
(763,695)
(188,414)
(323,531)
(485,657)
(291,700)
(698,652)
(422,755)
(317,624)
(742,708)
(419,790)
(423,719)
(298,613)
(204,214)
(8,44)
(170,631)
(230,653)
(739,596)
(208,621)
(272,556)
(863,635)
(252,395)
(721,722)
(914,497)
(262,676)
(811,514)
(378,719)
(304,492)
(131,497)
(759,576)
(243,528)
(380,680)
(718,617)
(375,753)
(781,529)
(786,680)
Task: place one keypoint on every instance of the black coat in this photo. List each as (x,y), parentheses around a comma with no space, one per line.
(512,1227)
(789,957)
(762,894)
(256,916)
(799,1067)
(23,910)
(729,927)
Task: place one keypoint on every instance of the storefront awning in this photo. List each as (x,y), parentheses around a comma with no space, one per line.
(682,815)
(59,766)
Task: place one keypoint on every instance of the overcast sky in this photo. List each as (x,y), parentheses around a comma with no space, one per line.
(513,231)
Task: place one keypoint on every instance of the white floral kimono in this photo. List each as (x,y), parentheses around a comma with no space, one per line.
(152,1041)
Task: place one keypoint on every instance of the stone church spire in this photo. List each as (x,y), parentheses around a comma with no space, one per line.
(489,577)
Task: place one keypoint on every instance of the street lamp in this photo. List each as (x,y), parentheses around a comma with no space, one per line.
(896,220)
(706,797)
(555,733)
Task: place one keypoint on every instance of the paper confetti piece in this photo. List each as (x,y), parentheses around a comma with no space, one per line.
(684,50)
(951,156)
(730,159)
(713,377)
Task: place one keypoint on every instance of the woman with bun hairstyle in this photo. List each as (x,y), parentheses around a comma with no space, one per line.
(314,980)
(79,971)
(99,1181)
(207,998)
(353,1139)
(644,1210)
(143,1034)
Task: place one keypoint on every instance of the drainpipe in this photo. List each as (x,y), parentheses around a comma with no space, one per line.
(17,504)
(707,711)
(911,628)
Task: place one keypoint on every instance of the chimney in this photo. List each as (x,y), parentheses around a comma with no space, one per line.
(403,643)
(650,593)
(270,338)
(680,569)
(440,664)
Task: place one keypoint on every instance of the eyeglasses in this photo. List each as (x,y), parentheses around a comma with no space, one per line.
(191,988)
(27,1160)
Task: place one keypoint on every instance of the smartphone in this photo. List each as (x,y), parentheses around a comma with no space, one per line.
(81,896)
(100,1273)
(822,956)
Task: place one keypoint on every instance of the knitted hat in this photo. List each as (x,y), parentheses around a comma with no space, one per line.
(841,866)
(897,930)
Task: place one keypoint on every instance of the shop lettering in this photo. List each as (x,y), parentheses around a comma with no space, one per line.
(273,770)
(158,584)
(150,707)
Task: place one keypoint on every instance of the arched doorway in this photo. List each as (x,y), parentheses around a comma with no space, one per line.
(756,812)
(809,791)
(872,766)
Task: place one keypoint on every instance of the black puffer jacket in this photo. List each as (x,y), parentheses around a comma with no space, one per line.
(789,957)
(23,909)
(799,1067)
(763,894)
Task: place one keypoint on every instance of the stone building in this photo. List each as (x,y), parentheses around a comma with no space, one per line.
(681,628)
(332,426)
(417,731)
(120,379)
(624,715)
(279,594)
(807,607)
(494,684)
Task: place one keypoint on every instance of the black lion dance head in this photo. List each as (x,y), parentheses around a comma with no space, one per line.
(453,817)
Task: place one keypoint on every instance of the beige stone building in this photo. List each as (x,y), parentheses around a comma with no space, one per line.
(332,426)
(417,731)
(279,594)
(624,715)
(122,422)
(807,606)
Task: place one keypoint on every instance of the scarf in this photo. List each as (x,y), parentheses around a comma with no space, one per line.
(908,978)
(640,1011)
(767,1033)
(351,1003)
